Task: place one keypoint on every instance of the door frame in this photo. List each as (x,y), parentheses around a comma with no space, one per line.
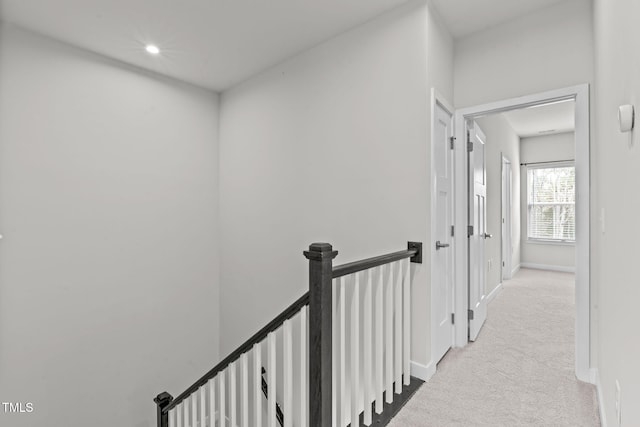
(580,94)
(438,99)
(506,267)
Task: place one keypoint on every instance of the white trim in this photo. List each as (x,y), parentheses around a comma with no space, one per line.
(549,267)
(506,204)
(423,372)
(438,99)
(580,94)
(550,242)
(516,269)
(595,379)
(550,164)
(494,293)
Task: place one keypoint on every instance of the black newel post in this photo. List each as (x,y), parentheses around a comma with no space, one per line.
(320,256)
(163,400)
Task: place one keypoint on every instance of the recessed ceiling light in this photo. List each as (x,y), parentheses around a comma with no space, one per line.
(152,49)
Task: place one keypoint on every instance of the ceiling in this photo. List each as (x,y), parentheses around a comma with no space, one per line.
(211,43)
(465,17)
(219,43)
(543,120)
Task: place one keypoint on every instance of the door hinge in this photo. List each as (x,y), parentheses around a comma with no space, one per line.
(469,230)
(452,141)
(470,314)
(503,263)
(469,146)
(452,231)
(453,318)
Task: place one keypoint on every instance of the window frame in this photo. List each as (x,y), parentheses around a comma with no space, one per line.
(546,165)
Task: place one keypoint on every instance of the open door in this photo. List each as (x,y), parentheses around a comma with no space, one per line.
(477,228)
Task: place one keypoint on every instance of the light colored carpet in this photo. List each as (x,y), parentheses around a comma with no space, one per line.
(520,371)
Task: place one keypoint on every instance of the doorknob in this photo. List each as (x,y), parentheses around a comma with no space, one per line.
(441,245)
(488,236)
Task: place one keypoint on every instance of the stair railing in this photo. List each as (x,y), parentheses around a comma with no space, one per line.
(318,379)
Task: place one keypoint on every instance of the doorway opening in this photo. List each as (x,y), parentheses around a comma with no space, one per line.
(471,295)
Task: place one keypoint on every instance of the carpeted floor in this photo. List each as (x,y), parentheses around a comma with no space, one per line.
(520,371)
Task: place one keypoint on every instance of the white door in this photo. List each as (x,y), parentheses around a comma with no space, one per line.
(507,249)
(477,230)
(442,269)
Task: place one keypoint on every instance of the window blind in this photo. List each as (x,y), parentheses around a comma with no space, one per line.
(551,203)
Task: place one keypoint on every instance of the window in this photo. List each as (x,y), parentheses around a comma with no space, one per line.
(551,202)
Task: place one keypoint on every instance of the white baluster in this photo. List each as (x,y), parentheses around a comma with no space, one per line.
(389,337)
(257,385)
(355,353)
(244,390)
(194,409)
(304,375)
(222,390)
(172,418)
(287,353)
(398,332)
(232,395)
(212,402)
(379,317)
(203,407)
(335,327)
(271,379)
(407,322)
(342,361)
(179,416)
(185,413)
(368,392)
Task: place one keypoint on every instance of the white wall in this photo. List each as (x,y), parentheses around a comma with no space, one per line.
(108,207)
(545,148)
(501,141)
(332,145)
(548,49)
(616,158)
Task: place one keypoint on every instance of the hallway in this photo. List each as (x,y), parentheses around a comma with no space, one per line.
(520,371)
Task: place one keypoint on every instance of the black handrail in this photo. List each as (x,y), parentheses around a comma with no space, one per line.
(414,252)
(287,314)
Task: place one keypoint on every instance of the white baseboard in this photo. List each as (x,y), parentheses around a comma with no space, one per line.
(560,268)
(423,372)
(494,293)
(595,379)
(515,270)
